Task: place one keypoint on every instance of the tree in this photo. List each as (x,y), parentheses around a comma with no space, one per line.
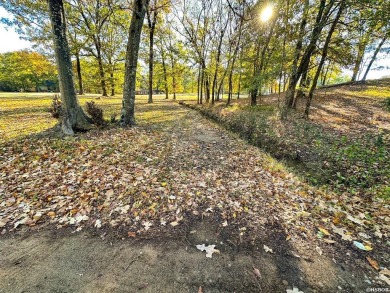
(73,116)
(26,70)
(135,29)
(155,6)
(323,56)
(378,48)
(94,14)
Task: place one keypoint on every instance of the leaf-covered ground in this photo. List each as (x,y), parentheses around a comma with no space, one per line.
(177,169)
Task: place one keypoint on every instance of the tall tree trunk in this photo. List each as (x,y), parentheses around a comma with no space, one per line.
(174,85)
(213,98)
(198,89)
(151,57)
(201,86)
(289,99)
(152,19)
(79,76)
(165,74)
(73,117)
(321,20)
(207,87)
(101,68)
(258,69)
(363,42)
(374,57)
(286,17)
(325,74)
(112,80)
(323,57)
(128,103)
(239,77)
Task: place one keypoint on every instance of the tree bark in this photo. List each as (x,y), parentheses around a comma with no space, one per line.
(73,117)
(112,80)
(128,103)
(360,54)
(101,69)
(374,57)
(79,76)
(152,25)
(320,22)
(165,75)
(323,57)
(151,57)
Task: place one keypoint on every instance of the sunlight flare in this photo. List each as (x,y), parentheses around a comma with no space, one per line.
(266,14)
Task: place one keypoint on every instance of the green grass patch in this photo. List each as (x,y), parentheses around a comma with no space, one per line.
(23,114)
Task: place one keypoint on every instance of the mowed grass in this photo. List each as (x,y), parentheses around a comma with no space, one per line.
(23,114)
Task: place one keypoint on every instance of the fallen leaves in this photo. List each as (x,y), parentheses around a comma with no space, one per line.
(144,180)
(294,290)
(256,272)
(361,246)
(373,263)
(210,249)
(267,249)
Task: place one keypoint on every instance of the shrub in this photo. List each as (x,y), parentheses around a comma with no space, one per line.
(56,107)
(388,103)
(95,112)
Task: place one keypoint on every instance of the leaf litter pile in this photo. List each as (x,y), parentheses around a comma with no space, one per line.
(154,178)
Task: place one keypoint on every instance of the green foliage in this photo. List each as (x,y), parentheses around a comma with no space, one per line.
(388,104)
(96,113)
(27,71)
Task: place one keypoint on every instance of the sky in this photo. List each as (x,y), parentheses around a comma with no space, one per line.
(10,41)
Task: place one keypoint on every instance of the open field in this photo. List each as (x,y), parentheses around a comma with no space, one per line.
(24,114)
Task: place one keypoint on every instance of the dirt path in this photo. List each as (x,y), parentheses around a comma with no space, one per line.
(221,191)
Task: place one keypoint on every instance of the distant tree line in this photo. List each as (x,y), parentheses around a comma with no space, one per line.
(27,71)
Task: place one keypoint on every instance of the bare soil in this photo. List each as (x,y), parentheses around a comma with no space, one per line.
(59,261)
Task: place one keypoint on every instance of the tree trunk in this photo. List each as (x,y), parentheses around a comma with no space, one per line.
(112,83)
(374,57)
(361,49)
(320,22)
(323,57)
(73,117)
(79,76)
(165,75)
(151,59)
(128,103)
(101,69)
(207,89)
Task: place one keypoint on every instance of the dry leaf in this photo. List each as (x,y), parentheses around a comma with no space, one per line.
(51,214)
(208,249)
(200,289)
(131,234)
(267,249)
(324,231)
(384,278)
(109,193)
(256,272)
(174,224)
(373,263)
(385,272)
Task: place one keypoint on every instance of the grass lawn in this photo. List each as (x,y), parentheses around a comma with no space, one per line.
(23,114)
